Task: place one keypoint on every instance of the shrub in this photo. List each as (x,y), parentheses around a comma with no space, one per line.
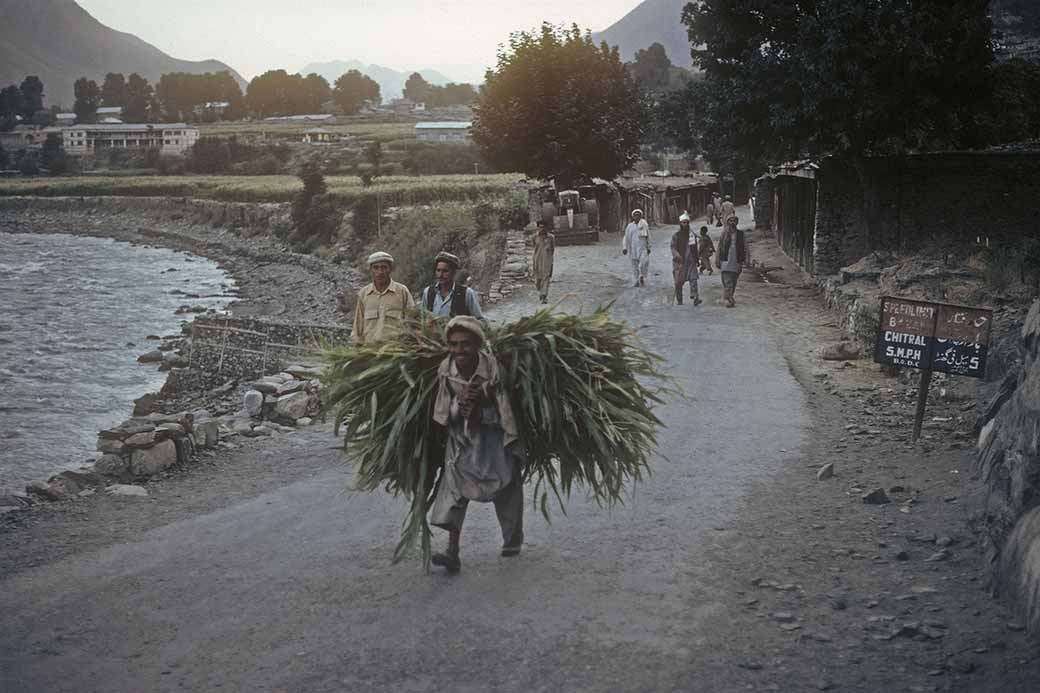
(209,155)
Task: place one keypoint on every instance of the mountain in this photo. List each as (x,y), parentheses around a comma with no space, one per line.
(60,42)
(651,21)
(391,82)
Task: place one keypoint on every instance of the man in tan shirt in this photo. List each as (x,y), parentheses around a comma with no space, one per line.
(381,305)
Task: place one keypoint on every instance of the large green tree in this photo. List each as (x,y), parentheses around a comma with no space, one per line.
(32,96)
(416,88)
(277,93)
(557,105)
(353,90)
(792,78)
(139,100)
(88,98)
(113,90)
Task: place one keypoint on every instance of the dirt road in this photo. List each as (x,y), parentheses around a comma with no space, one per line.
(265,574)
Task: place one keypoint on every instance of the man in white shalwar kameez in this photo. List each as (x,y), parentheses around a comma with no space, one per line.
(636,245)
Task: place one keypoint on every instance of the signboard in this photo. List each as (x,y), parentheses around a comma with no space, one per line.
(933,336)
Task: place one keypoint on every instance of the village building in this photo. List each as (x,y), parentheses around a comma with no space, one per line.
(109,114)
(22,137)
(443,131)
(663,198)
(317,136)
(828,215)
(170,138)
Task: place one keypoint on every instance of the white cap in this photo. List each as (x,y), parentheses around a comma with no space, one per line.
(380,257)
(637,211)
(684,217)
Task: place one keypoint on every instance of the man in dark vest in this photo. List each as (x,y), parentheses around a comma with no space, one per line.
(447,297)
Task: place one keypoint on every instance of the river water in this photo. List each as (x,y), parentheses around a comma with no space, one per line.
(74,314)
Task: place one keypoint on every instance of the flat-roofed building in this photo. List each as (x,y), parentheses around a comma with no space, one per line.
(443,131)
(170,138)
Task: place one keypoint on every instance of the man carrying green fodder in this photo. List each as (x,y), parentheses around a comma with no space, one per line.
(576,390)
(483,458)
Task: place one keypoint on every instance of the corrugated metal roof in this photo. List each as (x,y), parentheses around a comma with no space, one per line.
(446,125)
(144,127)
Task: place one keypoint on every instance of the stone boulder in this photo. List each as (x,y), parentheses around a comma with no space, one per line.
(207,434)
(114,466)
(294,406)
(154,356)
(151,461)
(253,403)
(127,490)
(141,440)
(49,491)
(839,351)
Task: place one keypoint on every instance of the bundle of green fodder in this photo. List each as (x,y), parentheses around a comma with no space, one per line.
(581,388)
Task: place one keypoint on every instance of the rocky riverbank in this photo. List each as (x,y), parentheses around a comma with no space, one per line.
(243,238)
(190,414)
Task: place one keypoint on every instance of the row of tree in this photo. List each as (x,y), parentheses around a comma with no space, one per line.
(417,89)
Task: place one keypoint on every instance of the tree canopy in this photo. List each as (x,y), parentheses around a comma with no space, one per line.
(651,67)
(790,78)
(556,105)
(277,93)
(113,90)
(416,88)
(353,90)
(181,92)
(88,98)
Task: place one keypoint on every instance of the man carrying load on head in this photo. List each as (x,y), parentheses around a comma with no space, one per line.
(483,458)
(448,297)
(381,305)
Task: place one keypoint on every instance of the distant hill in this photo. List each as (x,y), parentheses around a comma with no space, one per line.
(391,82)
(60,42)
(651,21)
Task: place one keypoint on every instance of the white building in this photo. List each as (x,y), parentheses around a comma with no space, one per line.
(443,132)
(170,138)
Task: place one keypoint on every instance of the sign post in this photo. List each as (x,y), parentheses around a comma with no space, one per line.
(932,337)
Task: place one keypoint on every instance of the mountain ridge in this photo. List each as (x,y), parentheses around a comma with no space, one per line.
(651,21)
(59,41)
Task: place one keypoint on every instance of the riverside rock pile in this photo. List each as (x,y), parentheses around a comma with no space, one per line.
(277,401)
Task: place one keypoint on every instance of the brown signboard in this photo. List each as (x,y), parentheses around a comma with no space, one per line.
(933,336)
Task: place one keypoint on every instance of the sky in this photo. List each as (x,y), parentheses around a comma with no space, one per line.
(456,37)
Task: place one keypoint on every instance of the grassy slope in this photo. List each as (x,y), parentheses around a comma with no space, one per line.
(397,190)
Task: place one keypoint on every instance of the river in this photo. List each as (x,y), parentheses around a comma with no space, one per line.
(75,312)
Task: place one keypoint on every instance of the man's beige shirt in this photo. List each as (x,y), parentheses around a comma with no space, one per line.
(379,315)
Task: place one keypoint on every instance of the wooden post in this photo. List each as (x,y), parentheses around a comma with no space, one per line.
(922,400)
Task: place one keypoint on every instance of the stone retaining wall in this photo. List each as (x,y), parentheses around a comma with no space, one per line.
(515,268)
(1009,465)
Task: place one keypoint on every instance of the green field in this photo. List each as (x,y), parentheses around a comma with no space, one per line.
(393,190)
(375,132)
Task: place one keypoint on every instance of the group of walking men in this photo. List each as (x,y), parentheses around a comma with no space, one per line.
(691,254)
(483,457)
